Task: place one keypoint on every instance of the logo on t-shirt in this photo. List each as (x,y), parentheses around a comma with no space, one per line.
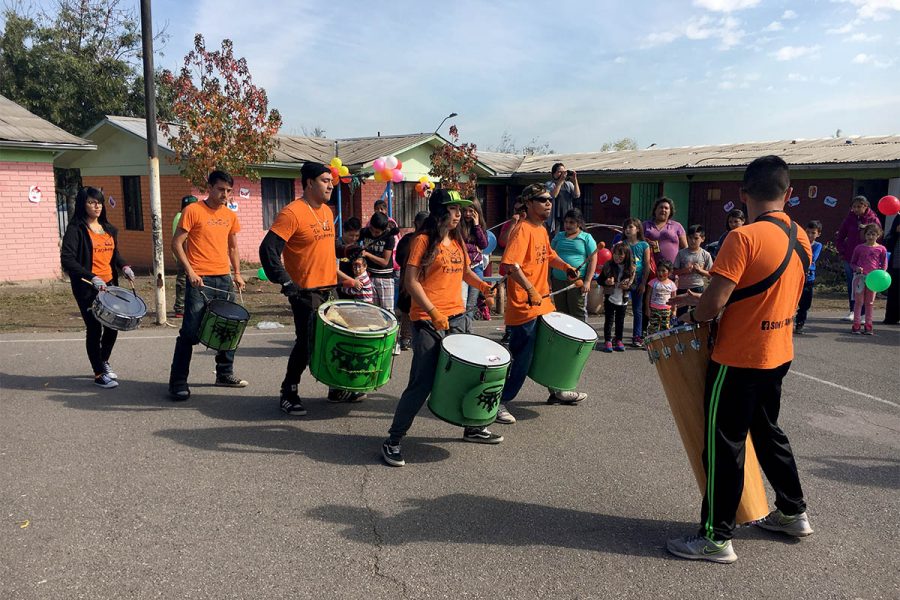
(540,254)
(452,260)
(772,325)
(217,222)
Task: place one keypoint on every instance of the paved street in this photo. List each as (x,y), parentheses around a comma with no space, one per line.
(128,495)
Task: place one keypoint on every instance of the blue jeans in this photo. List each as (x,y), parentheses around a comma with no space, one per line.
(470,294)
(214,286)
(637,309)
(848,275)
(521,347)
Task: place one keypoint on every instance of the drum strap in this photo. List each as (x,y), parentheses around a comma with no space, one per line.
(793,247)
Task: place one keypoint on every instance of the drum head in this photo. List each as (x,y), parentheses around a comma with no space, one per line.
(122,302)
(685,329)
(476,350)
(357,316)
(570,327)
(228,310)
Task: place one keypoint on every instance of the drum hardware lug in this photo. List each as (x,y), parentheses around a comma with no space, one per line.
(695,344)
(667,352)
(654,356)
(679,347)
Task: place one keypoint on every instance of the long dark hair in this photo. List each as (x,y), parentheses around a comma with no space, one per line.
(436,226)
(81,205)
(467,230)
(610,267)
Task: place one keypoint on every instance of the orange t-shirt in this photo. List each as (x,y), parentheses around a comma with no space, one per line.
(309,255)
(756,333)
(101,260)
(529,247)
(443,280)
(208,231)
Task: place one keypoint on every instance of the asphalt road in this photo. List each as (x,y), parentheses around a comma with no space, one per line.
(124,494)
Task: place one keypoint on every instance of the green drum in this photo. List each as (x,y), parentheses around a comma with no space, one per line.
(223,324)
(561,350)
(353,345)
(471,371)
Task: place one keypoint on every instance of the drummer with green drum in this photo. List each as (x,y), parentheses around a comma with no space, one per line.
(438,263)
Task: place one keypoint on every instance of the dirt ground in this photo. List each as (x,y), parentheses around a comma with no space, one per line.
(49,306)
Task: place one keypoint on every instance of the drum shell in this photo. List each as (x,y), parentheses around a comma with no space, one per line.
(221,333)
(359,361)
(683,377)
(558,359)
(110,318)
(464,393)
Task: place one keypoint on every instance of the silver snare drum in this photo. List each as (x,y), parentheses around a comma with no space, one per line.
(119,309)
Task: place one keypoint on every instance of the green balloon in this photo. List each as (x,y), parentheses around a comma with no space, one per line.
(878,280)
(262,274)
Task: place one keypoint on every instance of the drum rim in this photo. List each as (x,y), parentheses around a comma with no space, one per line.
(376,333)
(466,362)
(564,334)
(116,288)
(206,309)
(677,330)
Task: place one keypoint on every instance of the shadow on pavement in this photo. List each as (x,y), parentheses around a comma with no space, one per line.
(335,448)
(858,470)
(470,519)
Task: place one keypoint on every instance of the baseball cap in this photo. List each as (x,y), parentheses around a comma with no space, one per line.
(442,198)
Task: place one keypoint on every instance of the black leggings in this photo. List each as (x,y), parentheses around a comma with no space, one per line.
(99,340)
(613,312)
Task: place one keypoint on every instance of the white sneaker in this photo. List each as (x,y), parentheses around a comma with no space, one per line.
(103,380)
(849,317)
(504,416)
(570,396)
(108,371)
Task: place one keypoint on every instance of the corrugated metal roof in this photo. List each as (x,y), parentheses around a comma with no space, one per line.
(360,151)
(501,162)
(23,129)
(817,152)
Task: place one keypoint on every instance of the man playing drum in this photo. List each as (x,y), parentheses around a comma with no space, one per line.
(205,243)
(757,278)
(304,233)
(527,260)
(438,263)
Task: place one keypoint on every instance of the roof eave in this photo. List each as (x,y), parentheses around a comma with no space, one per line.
(55,146)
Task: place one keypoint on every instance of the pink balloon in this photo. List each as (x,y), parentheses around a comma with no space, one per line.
(378,164)
(889,205)
(396,175)
(390,162)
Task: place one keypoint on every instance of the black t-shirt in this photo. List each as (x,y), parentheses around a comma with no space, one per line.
(377,246)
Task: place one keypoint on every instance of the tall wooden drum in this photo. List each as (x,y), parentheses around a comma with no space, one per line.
(681,356)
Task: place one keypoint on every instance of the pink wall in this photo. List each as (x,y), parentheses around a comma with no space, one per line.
(29,234)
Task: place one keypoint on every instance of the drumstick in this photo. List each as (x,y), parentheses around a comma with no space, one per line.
(499,224)
(107,290)
(577,284)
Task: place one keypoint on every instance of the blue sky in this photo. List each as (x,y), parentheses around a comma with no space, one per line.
(571,73)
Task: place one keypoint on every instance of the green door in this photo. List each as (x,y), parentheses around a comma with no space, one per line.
(680,193)
(643,195)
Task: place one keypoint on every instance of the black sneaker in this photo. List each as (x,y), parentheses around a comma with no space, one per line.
(405,345)
(292,405)
(354,397)
(481,435)
(105,381)
(335,395)
(179,392)
(107,370)
(391,454)
(229,380)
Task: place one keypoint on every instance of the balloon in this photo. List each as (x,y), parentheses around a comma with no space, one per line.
(601,245)
(878,280)
(378,164)
(492,243)
(390,162)
(396,176)
(344,171)
(334,173)
(346,179)
(889,205)
(336,162)
(424,179)
(603,256)
(261,273)
(386,174)
(399,165)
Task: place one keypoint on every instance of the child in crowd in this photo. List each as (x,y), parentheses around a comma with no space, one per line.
(357,264)
(659,291)
(867,257)
(616,276)
(849,236)
(734,219)
(692,264)
(813,231)
(404,301)
(633,235)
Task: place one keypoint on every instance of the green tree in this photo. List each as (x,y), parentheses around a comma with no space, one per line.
(223,120)
(623,144)
(454,165)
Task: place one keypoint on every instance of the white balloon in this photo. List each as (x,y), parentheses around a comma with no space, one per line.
(390,162)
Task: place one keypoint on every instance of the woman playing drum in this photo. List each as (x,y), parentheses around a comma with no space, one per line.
(438,263)
(90,253)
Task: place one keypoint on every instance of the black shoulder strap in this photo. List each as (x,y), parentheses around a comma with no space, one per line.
(761,286)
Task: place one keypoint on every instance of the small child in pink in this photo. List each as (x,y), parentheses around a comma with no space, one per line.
(867,257)
(659,291)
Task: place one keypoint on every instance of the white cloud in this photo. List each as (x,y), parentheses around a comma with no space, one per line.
(864,37)
(619,60)
(788,14)
(774,26)
(725,5)
(797,77)
(876,10)
(868,59)
(862,59)
(726,29)
(795,52)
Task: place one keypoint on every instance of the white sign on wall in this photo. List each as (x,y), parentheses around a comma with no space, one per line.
(728,206)
(34,194)
(244,193)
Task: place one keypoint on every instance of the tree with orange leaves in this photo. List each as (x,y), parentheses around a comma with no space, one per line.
(223,120)
(452,162)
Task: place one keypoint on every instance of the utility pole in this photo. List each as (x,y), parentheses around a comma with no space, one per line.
(159,268)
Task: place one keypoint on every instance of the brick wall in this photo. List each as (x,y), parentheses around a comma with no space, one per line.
(29,234)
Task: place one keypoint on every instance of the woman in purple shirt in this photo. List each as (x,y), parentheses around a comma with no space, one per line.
(665,236)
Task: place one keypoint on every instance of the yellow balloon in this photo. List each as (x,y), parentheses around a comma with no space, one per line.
(336,162)
(344,171)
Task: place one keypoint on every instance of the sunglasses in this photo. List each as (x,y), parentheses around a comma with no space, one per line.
(95,202)
(542,199)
